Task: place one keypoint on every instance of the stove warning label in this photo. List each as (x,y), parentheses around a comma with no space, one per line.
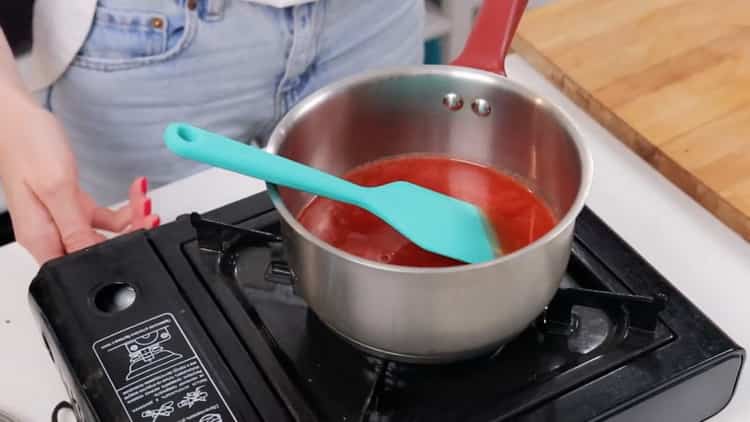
(158,376)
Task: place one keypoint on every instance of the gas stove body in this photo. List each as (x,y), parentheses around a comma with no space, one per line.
(198,321)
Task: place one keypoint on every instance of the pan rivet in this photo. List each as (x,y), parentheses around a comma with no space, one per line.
(481,107)
(453,101)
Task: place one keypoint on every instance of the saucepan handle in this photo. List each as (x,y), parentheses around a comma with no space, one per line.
(491,36)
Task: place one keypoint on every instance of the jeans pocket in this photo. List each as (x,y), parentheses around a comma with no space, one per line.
(125,39)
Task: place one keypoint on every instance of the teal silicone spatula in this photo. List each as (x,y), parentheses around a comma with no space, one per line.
(435,222)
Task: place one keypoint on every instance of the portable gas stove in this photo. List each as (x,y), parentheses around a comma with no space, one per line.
(198,321)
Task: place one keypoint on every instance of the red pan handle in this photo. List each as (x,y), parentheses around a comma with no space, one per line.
(490,38)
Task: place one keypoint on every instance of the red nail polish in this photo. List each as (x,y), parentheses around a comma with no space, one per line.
(144,185)
(147,207)
(156,222)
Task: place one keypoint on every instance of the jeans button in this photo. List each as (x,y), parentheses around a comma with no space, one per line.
(157,23)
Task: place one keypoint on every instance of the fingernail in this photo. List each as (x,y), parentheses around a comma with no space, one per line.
(157,220)
(147,207)
(144,185)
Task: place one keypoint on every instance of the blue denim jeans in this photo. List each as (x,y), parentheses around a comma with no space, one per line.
(227,65)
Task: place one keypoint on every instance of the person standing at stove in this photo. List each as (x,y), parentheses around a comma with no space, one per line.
(109,75)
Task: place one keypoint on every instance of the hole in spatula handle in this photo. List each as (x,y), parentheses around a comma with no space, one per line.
(186,133)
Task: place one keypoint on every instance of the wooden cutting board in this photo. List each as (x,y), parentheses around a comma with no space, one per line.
(671,78)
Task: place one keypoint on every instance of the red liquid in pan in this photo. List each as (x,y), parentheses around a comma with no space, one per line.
(517,215)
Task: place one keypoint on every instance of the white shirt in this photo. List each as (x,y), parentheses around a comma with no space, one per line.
(59,30)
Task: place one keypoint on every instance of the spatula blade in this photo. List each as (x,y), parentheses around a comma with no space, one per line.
(436,222)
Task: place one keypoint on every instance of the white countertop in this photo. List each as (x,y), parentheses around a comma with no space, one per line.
(705,260)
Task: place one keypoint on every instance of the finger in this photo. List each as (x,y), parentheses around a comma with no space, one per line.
(140,204)
(64,205)
(111,220)
(32,224)
(104,218)
(141,183)
(140,208)
(152,221)
(138,188)
(148,222)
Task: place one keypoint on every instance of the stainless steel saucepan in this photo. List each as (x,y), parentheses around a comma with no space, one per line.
(468,110)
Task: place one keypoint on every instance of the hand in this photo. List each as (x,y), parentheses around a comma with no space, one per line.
(50,212)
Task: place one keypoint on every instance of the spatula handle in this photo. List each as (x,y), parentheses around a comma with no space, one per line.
(210,148)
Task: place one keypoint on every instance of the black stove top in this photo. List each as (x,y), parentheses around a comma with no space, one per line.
(216,333)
